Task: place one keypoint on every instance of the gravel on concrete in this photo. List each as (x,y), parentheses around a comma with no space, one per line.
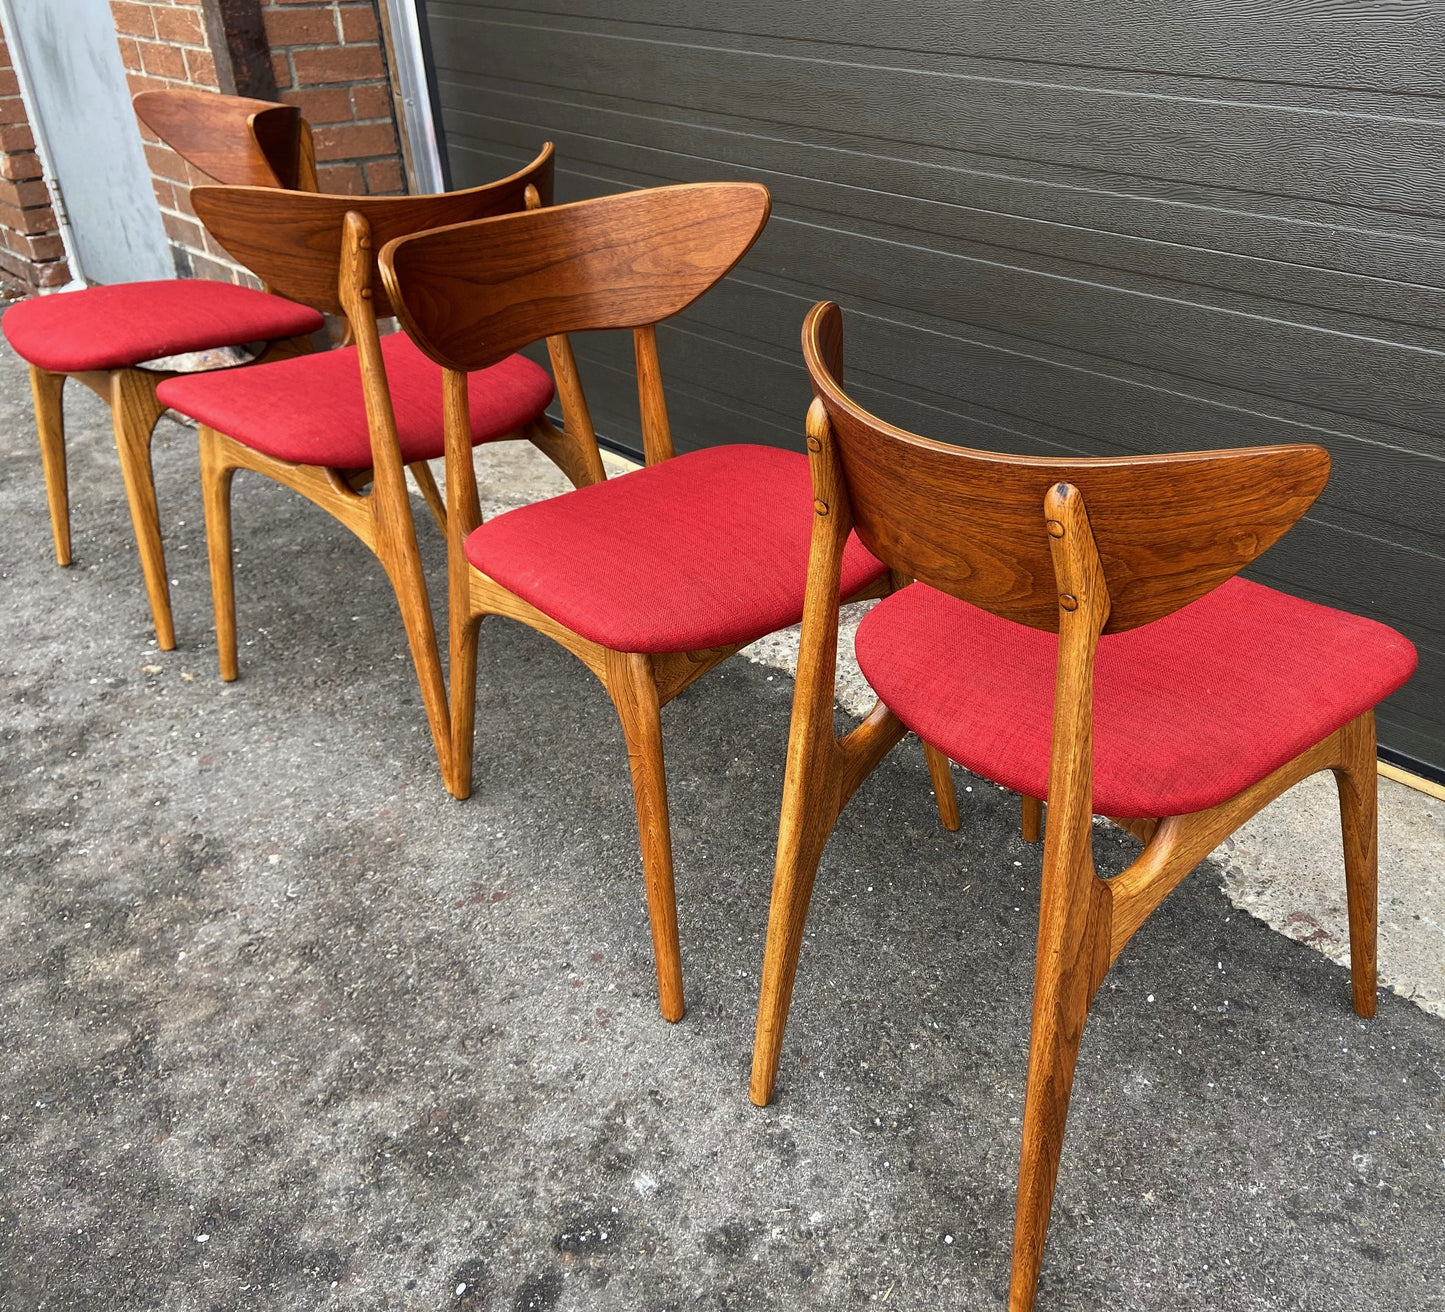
(286,1027)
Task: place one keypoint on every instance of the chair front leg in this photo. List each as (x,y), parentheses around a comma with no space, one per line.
(940,773)
(133,414)
(46,390)
(633,687)
(216,475)
(465,629)
(1358,779)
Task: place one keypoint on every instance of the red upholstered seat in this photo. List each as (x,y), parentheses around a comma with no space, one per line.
(310,409)
(1188,711)
(114,327)
(702,550)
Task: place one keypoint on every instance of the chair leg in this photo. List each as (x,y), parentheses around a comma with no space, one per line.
(633,687)
(216,475)
(1031,827)
(431,494)
(808,817)
(1063,986)
(397,551)
(46,390)
(941,773)
(1357,777)
(462,673)
(133,414)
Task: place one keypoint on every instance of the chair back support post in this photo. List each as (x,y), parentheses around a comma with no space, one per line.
(656,432)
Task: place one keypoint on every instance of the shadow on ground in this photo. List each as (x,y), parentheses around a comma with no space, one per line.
(286,1027)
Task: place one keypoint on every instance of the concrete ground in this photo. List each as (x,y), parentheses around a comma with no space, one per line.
(286,1027)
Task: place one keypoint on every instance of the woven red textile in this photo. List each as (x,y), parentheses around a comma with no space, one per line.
(1188,711)
(702,550)
(113,327)
(310,409)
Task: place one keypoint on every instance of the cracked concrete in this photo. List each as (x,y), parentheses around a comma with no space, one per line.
(284,1026)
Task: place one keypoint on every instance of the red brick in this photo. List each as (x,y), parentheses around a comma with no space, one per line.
(9,83)
(16,137)
(165,193)
(358,23)
(202,69)
(45,246)
(339,64)
(53,273)
(27,223)
(371,100)
(132,19)
(281,69)
(212,270)
(162,61)
(341,179)
(328,105)
(383,177)
(180,26)
(355,141)
(20,165)
(12,110)
(28,194)
(300,27)
(184,232)
(166,163)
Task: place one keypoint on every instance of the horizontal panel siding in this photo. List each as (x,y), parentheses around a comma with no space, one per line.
(1082,228)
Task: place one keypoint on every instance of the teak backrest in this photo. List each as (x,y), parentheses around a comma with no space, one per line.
(292,240)
(472,294)
(1168,528)
(238,141)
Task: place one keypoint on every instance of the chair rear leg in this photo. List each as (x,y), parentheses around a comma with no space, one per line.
(133,414)
(633,687)
(462,674)
(216,475)
(1072,955)
(941,773)
(1357,777)
(46,389)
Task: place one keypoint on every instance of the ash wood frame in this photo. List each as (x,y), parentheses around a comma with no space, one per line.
(380,517)
(232,139)
(589,270)
(1084,921)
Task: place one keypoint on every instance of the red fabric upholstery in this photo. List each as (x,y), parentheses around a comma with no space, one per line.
(113,327)
(702,550)
(310,409)
(1188,711)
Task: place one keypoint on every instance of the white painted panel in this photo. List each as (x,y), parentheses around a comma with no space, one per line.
(77,98)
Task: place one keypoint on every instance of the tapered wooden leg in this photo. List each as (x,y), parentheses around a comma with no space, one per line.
(1358,781)
(216,477)
(941,773)
(1032,825)
(46,389)
(1063,985)
(462,673)
(633,688)
(133,414)
(397,550)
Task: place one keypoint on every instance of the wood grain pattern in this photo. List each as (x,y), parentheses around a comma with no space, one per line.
(292,242)
(1084,921)
(46,392)
(472,293)
(235,140)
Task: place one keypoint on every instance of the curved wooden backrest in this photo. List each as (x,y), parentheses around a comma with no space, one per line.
(236,140)
(292,240)
(470,295)
(1168,528)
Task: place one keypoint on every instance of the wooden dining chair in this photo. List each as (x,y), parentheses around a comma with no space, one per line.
(331,424)
(1076,633)
(651,578)
(99,335)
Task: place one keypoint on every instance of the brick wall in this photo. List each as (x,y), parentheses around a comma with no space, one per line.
(328,61)
(325,56)
(31,254)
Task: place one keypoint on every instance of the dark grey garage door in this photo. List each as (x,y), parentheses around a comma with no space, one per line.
(1087,226)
